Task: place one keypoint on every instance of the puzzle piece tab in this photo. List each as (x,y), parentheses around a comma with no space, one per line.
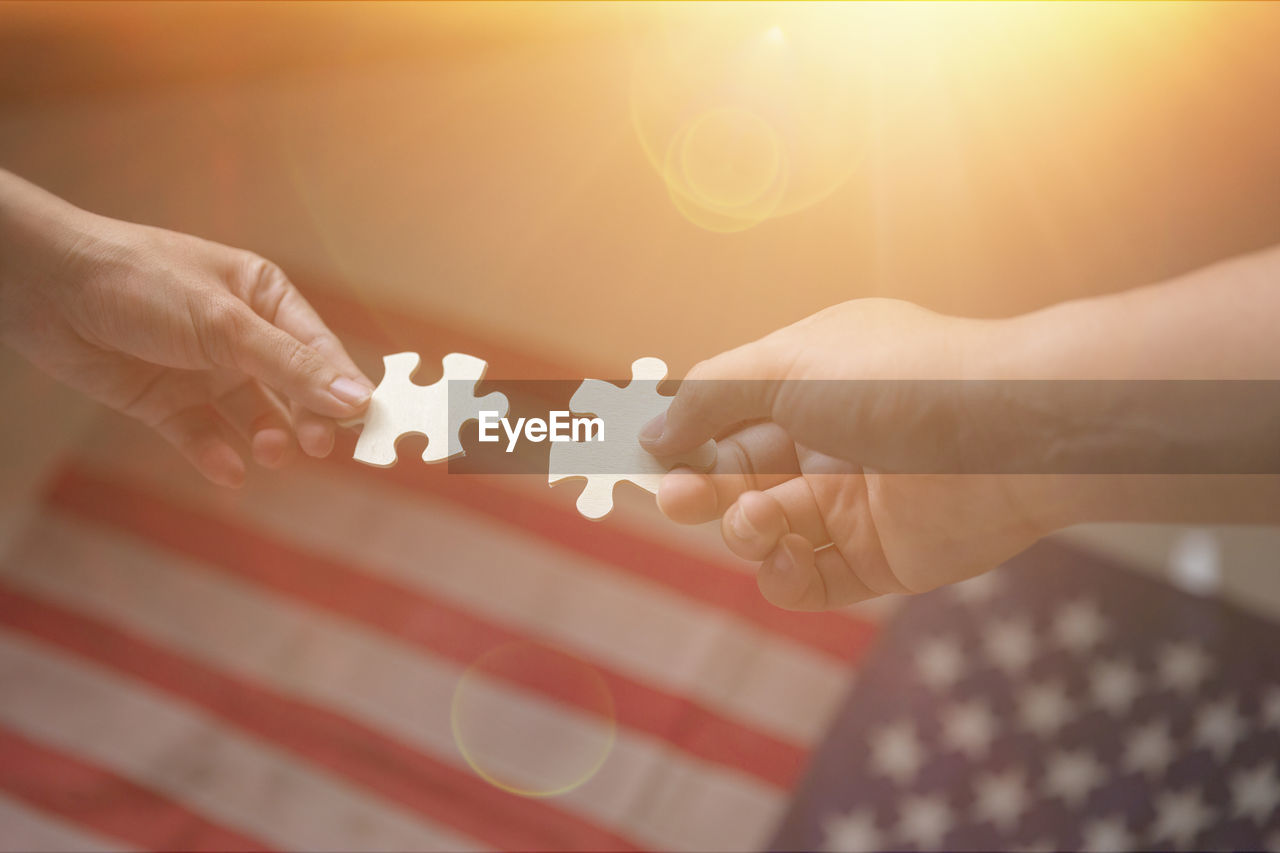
(619,457)
(399,407)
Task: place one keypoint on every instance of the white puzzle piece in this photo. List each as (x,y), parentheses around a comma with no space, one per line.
(399,407)
(619,457)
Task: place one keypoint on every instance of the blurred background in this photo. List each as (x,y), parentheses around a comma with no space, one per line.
(560,188)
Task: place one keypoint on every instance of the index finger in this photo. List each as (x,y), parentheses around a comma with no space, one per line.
(270,293)
(734,387)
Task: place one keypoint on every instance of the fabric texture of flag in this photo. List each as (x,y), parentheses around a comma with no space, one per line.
(281,667)
(1059,703)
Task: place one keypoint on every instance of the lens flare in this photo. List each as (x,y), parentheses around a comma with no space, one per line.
(725,170)
(533,744)
(730,158)
(743,120)
(754,111)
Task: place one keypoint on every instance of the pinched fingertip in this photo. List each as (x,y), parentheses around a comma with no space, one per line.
(753,525)
(687,497)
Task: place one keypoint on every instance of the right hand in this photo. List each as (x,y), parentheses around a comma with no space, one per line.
(801,483)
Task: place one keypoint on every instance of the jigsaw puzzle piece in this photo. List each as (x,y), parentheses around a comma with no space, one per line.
(462,373)
(400,407)
(620,457)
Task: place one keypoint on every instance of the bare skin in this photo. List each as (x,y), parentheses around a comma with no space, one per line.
(211,346)
(811,480)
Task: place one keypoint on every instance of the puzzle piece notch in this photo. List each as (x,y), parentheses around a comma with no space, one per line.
(620,457)
(398,407)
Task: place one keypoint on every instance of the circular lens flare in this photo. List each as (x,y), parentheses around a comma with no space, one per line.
(533,721)
(744,120)
(729,158)
(726,170)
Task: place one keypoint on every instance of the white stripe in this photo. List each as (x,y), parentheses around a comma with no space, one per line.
(24,830)
(144,735)
(637,628)
(237,627)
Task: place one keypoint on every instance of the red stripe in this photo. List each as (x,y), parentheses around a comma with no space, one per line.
(412,617)
(98,799)
(383,764)
(841,635)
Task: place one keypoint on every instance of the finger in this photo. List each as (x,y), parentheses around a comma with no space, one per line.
(842,580)
(789,579)
(260,418)
(734,387)
(270,293)
(753,526)
(236,337)
(795,577)
(755,458)
(198,434)
(315,433)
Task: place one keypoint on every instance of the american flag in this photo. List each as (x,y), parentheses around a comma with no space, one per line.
(1059,703)
(281,667)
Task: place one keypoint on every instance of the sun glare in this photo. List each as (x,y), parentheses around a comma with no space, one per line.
(751,111)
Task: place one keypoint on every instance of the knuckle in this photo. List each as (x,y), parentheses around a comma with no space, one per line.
(734,457)
(263,283)
(258,271)
(323,341)
(699,372)
(304,362)
(223,324)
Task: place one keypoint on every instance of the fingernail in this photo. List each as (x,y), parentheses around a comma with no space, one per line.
(784,562)
(652,431)
(315,440)
(349,391)
(741,525)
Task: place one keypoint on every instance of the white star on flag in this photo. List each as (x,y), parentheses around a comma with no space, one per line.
(969,728)
(1073,775)
(1114,686)
(896,752)
(1219,727)
(1255,794)
(1044,708)
(1183,666)
(1271,708)
(1108,835)
(852,833)
(1010,645)
(1149,749)
(925,821)
(1079,626)
(1001,798)
(939,663)
(1180,817)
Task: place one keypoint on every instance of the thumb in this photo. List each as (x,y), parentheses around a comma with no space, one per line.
(731,388)
(242,340)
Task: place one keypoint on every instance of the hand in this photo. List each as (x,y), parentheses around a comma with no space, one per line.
(211,346)
(804,491)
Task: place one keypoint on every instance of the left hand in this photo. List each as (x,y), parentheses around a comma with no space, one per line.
(213,347)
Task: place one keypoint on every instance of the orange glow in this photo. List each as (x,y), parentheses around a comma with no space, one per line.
(750,111)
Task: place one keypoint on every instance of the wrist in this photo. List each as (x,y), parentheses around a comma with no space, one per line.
(1021,427)
(40,237)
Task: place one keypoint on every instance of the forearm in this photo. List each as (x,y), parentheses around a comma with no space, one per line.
(1203,451)
(1215,323)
